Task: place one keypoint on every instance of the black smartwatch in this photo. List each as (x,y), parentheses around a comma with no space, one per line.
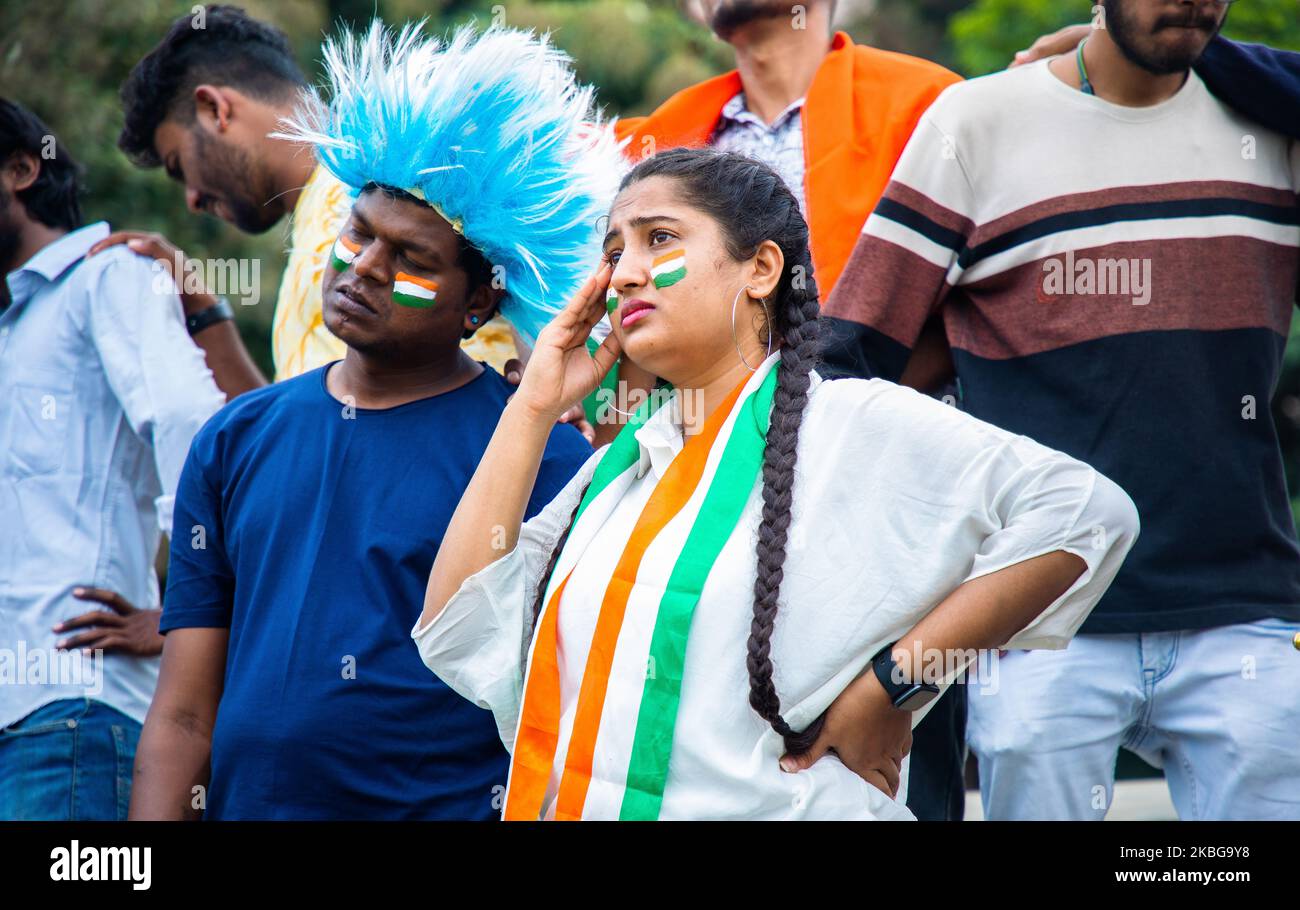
(218,312)
(906,696)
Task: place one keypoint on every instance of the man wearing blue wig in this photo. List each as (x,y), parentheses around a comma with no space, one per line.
(289,687)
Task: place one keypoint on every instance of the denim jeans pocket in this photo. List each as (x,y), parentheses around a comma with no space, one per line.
(36,771)
(125,738)
(49,718)
(53,726)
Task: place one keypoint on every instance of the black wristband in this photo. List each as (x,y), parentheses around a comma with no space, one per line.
(906,696)
(218,312)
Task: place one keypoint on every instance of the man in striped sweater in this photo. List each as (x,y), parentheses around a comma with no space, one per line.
(1113,255)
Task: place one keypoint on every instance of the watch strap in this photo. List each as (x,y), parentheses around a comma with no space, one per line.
(901,694)
(218,312)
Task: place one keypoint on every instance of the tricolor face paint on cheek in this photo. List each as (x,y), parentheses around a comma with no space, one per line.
(413,291)
(344,252)
(611,300)
(668,269)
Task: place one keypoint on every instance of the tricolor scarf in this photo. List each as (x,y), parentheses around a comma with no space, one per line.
(709,482)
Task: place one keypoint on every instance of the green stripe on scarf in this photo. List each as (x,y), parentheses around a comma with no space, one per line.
(591,405)
(733,482)
(622,453)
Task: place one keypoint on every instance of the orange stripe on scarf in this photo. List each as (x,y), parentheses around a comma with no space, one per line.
(538,736)
(670,495)
(539,724)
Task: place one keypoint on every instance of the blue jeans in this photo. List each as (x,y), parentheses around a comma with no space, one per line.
(1217,709)
(70,760)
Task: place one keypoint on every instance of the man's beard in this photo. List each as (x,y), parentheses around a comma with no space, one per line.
(731,15)
(249,209)
(1154,60)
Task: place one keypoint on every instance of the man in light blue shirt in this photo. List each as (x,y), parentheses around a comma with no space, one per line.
(101,391)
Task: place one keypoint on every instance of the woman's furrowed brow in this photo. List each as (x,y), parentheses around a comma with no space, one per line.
(641,221)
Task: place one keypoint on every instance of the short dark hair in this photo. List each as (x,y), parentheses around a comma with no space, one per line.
(52,199)
(231,48)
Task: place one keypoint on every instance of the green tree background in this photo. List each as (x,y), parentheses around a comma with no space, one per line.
(65,59)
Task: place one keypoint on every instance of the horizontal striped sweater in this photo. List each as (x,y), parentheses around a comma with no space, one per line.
(1117,283)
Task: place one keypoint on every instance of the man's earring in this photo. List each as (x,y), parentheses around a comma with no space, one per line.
(474,320)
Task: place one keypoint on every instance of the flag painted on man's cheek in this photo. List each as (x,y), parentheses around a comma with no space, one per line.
(411,290)
(344,252)
(668,269)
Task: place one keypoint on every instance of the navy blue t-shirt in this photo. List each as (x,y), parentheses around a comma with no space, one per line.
(309,529)
(1259,81)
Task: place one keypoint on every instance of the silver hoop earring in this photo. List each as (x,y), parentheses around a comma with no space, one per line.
(615,408)
(735,341)
(618,410)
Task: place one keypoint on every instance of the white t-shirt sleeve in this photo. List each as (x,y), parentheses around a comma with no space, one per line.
(478,644)
(1043,502)
(1014,498)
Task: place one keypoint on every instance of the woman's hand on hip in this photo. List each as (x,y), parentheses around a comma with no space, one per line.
(870,736)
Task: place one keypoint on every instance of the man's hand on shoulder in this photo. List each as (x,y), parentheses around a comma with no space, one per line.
(163,251)
(1061,41)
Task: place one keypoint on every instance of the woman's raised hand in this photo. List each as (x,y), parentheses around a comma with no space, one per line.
(561,371)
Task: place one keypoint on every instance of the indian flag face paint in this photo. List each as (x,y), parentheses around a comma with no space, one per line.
(344,252)
(410,290)
(611,300)
(669,268)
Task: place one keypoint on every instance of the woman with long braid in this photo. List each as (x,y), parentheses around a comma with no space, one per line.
(732,610)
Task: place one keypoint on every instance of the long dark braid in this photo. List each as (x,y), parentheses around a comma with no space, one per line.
(752,204)
(798,355)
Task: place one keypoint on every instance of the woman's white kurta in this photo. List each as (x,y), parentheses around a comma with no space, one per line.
(898,499)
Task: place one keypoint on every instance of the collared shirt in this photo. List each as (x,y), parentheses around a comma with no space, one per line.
(898,499)
(101,391)
(299,339)
(780,145)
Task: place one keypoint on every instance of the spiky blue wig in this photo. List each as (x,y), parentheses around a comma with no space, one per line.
(493,131)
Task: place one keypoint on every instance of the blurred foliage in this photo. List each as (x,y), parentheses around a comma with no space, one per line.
(986,33)
(66,58)
(910,26)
